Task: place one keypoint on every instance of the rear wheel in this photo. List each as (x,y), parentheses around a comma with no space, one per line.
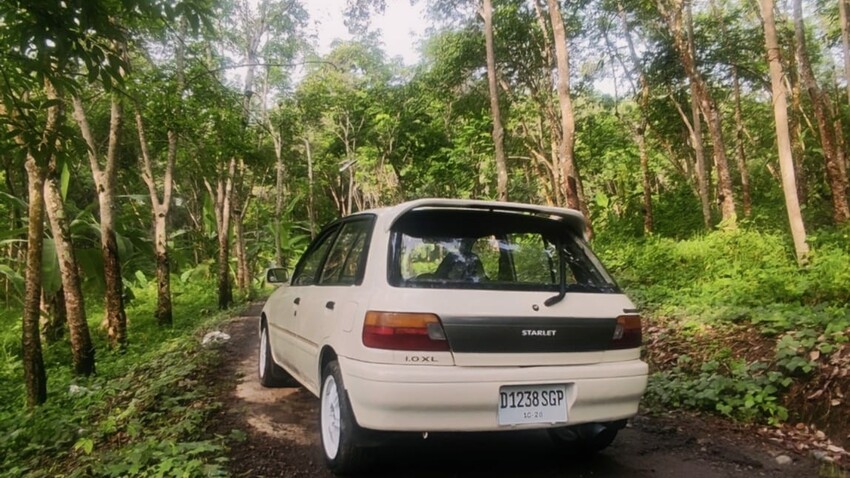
(270,373)
(587,438)
(339,430)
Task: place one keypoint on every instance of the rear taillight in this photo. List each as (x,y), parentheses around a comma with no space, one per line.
(404,331)
(627,334)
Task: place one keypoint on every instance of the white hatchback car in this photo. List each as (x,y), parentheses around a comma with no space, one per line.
(453,315)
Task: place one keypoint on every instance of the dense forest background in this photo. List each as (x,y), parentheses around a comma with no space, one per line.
(158,155)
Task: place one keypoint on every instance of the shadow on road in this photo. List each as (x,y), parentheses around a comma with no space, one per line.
(282,440)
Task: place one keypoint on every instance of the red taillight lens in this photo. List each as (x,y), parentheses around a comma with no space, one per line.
(404,331)
(627,333)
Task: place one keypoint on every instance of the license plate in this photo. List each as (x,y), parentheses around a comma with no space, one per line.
(532,404)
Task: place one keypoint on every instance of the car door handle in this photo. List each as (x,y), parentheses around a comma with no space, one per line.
(330,305)
(297,301)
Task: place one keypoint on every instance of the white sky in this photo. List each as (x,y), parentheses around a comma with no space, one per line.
(401,26)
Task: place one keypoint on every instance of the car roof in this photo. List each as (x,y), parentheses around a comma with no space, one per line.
(572,218)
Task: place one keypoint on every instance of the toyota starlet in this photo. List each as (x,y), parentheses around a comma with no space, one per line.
(441,315)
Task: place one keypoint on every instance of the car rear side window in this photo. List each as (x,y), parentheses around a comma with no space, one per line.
(346,260)
(489,250)
(308,267)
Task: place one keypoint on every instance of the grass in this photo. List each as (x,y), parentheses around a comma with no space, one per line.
(695,290)
(142,414)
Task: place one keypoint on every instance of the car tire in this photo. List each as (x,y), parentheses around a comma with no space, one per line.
(584,439)
(271,375)
(338,429)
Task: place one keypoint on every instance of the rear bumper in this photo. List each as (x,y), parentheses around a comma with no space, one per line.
(424,398)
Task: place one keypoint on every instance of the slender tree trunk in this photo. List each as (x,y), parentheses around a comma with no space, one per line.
(35,377)
(55,316)
(82,350)
(223,203)
(311,208)
(242,274)
(104,179)
(845,42)
(164,307)
(225,290)
(565,147)
(549,123)
(569,170)
(797,145)
(836,179)
(746,201)
(238,207)
(159,209)
(639,132)
(648,223)
(684,47)
(699,153)
(724,178)
(486,12)
(162,207)
(783,138)
(278,201)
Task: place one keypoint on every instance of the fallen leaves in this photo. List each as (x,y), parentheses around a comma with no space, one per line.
(807,439)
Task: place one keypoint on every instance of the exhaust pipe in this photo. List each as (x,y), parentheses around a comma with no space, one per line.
(587,437)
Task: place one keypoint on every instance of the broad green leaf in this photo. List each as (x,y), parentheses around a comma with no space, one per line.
(51,281)
(65,180)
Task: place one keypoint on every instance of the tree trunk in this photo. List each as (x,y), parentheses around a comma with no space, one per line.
(845,42)
(278,201)
(104,179)
(159,211)
(684,47)
(222,195)
(797,145)
(783,138)
(35,377)
(699,152)
(82,350)
(565,147)
(648,223)
(836,179)
(746,201)
(569,170)
(164,310)
(486,12)
(55,318)
(639,132)
(225,290)
(724,178)
(311,208)
(243,275)
(238,207)
(161,208)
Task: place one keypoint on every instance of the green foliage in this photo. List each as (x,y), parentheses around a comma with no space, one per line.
(142,415)
(739,277)
(745,391)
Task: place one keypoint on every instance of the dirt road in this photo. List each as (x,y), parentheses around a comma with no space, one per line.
(281,439)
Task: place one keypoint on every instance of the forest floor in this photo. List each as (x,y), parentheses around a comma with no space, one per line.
(279,438)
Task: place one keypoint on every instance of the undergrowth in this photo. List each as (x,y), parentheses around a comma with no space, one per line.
(744,279)
(142,414)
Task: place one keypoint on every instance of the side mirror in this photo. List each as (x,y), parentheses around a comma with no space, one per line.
(277,275)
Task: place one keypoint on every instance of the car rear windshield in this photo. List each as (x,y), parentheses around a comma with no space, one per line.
(470,249)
